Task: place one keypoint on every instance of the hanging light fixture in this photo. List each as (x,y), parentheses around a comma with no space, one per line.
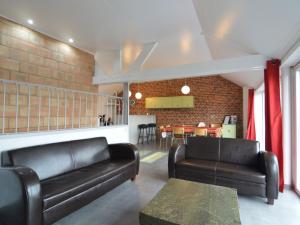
(185,89)
(129,94)
(138,95)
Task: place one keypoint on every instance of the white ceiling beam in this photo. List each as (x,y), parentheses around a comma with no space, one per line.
(143,56)
(222,66)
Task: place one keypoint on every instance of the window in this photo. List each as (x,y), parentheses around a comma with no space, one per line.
(297,152)
(259,113)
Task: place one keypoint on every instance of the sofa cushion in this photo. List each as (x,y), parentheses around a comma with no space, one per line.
(196,170)
(204,148)
(46,160)
(240,151)
(89,151)
(63,187)
(54,159)
(240,172)
(204,166)
(243,187)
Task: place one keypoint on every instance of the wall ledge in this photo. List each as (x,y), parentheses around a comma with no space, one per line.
(114,134)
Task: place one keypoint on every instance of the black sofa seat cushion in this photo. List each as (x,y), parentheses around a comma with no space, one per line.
(56,190)
(196,170)
(243,187)
(209,167)
(240,172)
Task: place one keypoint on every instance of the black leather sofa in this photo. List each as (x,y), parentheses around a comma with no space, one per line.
(39,185)
(235,163)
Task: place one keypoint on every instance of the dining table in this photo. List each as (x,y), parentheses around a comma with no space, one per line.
(190,129)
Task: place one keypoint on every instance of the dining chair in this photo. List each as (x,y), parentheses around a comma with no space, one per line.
(163,139)
(219,132)
(178,134)
(199,131)
(215,125)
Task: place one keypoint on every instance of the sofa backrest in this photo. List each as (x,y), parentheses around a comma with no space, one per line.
(54,159)
(239,151)
(205,148)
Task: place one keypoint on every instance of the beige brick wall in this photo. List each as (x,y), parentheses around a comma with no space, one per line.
(28,56)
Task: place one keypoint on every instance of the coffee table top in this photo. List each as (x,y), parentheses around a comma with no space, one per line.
(182,202)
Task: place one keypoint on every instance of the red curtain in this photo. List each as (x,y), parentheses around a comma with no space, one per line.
(273,117)
(251,135)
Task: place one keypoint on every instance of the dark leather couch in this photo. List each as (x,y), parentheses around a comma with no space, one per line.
(235,163)
(39,185)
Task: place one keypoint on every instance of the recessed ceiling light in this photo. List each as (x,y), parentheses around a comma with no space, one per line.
(30,21)
(71,40)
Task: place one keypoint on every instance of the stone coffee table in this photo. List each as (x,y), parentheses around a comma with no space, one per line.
(183,202)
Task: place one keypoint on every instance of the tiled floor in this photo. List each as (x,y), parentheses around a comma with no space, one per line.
(121,205)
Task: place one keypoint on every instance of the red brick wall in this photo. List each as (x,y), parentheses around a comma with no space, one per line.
(215,97)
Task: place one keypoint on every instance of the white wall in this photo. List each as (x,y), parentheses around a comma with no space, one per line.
(114,134)
(134,121)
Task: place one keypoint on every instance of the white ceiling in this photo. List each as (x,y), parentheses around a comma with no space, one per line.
(110,89)
(235,28)
(266,27)
(185,32)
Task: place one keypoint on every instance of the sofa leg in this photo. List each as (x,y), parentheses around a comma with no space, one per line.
(271,201)
(133,178)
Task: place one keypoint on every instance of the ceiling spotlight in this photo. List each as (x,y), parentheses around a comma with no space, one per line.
(30,21)
(129,93)
(71,40)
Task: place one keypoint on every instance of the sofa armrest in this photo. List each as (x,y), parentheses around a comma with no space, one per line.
(269,166)
(125,151)
(20,196)
(176,154)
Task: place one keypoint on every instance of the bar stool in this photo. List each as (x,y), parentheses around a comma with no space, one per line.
(143,133)
(151,131)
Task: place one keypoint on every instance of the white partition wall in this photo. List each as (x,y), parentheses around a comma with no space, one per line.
(114,134)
